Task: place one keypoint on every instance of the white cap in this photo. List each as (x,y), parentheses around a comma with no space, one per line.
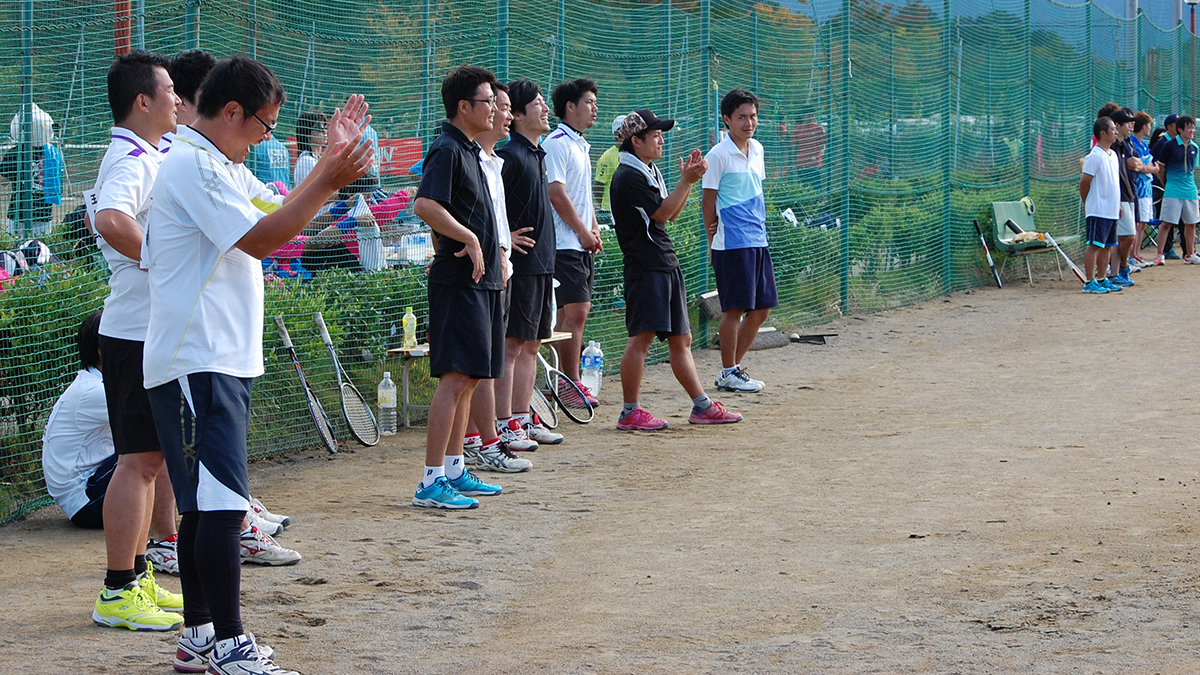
(617,122)
(387,374)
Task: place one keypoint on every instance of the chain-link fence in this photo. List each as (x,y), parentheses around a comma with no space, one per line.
(888,128)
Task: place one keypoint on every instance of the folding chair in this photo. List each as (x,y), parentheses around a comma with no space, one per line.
(1002,212)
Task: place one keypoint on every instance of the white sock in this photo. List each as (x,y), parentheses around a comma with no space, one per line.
(227,645)
(726,371)
(523,418)
(198,636)
(454,466)
(491,447)
(432,473)
(502,424)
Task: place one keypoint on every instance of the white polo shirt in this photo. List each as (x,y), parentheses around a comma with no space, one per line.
(124,183)
(76,440)
(1104,194)
(206,295)
(493,165)
(568,162)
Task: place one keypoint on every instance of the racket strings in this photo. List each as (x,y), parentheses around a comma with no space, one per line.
(359,415)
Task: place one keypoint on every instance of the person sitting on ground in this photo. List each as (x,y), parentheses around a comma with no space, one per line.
(655,295)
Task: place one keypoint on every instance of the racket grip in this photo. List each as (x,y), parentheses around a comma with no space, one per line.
(321,327)
(1013,226)
(283,333)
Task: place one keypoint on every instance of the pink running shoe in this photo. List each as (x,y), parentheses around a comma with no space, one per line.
(716,414)
(640,420)
(587,393)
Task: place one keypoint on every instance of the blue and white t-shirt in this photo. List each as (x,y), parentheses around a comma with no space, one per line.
(741,208)
(1143,182)
(270,161)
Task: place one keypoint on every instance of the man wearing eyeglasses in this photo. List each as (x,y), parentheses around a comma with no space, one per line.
(466,314)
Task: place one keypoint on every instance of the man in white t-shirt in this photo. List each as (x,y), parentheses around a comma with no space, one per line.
(142,97)
(211,224)
(77,447)
(1100,189)
(576,230)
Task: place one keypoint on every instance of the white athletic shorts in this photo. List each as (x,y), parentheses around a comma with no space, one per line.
(1125,224)
(1176,211)
(1145,209)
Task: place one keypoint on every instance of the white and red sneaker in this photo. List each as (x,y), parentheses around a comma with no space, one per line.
(162,554)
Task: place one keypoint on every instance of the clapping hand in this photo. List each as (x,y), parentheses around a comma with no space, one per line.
(692,170)
(347,123)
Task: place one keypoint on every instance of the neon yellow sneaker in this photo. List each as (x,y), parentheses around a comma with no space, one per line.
(164,599)
(130,608)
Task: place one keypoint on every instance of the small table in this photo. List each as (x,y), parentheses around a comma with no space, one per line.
(407,355)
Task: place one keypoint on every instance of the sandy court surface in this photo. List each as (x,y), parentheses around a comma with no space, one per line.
(1001,481)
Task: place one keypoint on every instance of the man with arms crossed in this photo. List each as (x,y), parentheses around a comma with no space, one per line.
(576,230)
(210,225)
(735,220)
(142,98)
(466,313)
(532,284)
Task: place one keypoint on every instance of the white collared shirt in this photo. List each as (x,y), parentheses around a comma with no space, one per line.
(493,165)
(568,161)
(124,184)
(206,295)
(77,438)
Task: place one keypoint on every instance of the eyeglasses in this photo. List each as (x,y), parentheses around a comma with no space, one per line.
(489,101)
(270,127)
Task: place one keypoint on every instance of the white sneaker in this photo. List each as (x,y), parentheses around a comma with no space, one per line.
(503,460)
(257,507)
(260,549)
(536,432)
(514,437)
(245,658)
(737,380)
(1192,259)
(192,652)
(264,525)
(163,556)
(471,451)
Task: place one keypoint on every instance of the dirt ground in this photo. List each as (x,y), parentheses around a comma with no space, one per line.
(999,481)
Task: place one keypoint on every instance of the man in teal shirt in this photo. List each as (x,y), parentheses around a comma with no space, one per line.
(269,161)
(1179,205)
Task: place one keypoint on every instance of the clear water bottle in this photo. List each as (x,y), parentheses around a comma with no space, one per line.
(387,405)
(409,323)
(592,367)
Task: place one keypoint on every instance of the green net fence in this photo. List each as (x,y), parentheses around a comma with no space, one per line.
(888,128)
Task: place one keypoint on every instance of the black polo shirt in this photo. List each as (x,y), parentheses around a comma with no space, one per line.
(453,177)
(643,240)
(527,195)
(1124,151)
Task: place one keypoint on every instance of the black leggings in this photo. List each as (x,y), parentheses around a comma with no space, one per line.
(210,570)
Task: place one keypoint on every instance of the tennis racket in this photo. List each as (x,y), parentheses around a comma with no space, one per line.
(358,414)
(567,394)
(988,253)
(314,406)
(542,408)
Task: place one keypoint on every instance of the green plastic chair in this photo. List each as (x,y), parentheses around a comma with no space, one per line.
(1002,212)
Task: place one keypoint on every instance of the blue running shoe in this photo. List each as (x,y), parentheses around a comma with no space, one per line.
(1122,279)
(1094,287)
(442,495)
(1109,285)
(1171,254)
(468,484)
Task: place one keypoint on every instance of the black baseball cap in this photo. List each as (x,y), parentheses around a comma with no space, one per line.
(1121,117)
(642,120)
(1170,120)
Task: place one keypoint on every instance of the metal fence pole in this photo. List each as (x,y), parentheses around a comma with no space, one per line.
(425,119)
(252,10)
(710,110)
(141,24)
(23,190)
(755,61)
(1028,123)
(844,160)
(191,25)
(502,40)
(561,42)
(948,140)
(1091,62)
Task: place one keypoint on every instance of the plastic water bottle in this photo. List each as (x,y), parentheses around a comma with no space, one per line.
(387,405)
(409,323)
(592,367)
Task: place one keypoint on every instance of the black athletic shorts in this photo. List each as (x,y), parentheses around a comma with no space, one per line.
(466,331)
(91,516)
(576,274)
(745,278)
(129,413)
(204,420)
(657,301)
(529,317)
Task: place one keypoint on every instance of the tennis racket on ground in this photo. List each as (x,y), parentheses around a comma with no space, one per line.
(988,253)
(358,414)
(542,408)
(314,406)
(1050,240)
(566,394)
